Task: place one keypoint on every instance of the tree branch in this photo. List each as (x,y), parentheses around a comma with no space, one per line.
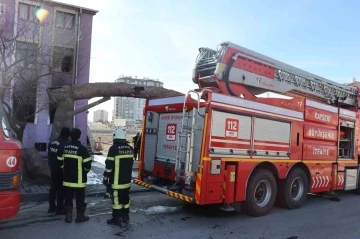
(82,109)
(91,90)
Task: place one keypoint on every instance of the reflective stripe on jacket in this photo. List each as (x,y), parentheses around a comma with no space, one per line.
(76,163)
(119,164)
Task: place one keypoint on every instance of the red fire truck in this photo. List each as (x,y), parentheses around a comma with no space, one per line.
(10,175)
(221,144)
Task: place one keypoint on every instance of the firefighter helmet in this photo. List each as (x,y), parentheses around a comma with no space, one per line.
(120,133)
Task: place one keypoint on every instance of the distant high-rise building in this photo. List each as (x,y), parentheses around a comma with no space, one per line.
(101,115)
(131,108)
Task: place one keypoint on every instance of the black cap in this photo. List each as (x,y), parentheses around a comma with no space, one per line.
(65,132)
(75,134)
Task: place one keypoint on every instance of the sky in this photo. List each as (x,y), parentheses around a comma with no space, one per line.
(160,39)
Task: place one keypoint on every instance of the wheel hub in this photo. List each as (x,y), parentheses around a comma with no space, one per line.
(297,189)
(262,193)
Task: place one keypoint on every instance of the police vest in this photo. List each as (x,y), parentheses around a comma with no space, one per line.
(54,148)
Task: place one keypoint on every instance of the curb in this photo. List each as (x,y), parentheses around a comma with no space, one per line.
(25,197)
(45,196)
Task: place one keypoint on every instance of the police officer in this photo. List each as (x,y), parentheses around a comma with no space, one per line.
(76,163)
(56,191)
(118,169)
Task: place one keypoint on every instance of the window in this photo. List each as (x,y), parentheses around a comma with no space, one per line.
(27,12)
(62,59)
(2,9)
(41,147)
(65,20)
(5,128)
(52,110)
(150,83)
(26,53)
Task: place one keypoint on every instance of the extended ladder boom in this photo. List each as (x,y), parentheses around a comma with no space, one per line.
(232,65)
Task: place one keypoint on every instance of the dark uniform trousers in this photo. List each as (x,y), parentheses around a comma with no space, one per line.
(79,196)
(56,192)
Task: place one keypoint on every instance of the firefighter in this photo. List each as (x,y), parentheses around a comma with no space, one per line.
(56,190)
(118,170)
(138,146)
(76,163)
(135,140)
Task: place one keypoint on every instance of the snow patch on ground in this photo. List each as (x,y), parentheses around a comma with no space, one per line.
(100,159)
(159,210)
(93,178)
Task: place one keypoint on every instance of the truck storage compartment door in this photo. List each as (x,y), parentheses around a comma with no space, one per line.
(271,138)
(169,127)
(150,139)
(230,135)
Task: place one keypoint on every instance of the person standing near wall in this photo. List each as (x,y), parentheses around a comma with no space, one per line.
(56,193)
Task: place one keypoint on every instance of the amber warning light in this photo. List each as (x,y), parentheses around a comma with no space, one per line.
(15,182)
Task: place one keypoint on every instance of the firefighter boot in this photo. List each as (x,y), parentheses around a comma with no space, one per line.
(125,218)
(114,221)
(52,209)
(68,213)
(81,214)
(116,218)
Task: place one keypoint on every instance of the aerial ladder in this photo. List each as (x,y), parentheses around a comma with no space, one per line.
(238,71)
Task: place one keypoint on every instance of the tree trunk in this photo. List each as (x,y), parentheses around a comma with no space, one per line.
(66,96)
(64,111)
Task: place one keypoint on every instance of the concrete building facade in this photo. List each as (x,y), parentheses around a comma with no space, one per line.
(101,115)
(132,108)
(56,37)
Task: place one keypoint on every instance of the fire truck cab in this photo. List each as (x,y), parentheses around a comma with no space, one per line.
(10,172)
(221,144)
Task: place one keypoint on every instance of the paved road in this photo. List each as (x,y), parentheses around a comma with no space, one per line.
(170,218)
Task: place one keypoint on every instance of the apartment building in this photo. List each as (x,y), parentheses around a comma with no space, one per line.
(132,108)
(101,115)
(52,42)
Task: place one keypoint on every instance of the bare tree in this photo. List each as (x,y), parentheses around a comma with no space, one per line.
(29,65)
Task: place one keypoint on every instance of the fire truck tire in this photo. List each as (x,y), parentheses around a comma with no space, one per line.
(260,193)
(293,190)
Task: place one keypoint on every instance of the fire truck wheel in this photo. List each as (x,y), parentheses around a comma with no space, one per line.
(260,193)
(293,190)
